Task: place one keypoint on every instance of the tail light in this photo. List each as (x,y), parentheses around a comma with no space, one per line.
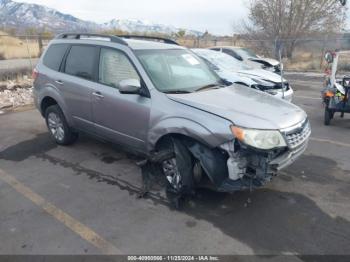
(35,73)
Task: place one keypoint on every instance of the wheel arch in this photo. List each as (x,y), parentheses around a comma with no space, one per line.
(51,96)
(45,103)
(182,128)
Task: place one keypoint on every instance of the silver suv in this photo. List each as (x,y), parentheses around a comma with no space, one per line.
(161,100)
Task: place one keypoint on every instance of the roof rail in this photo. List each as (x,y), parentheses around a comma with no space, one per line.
(154,38)
(112,38)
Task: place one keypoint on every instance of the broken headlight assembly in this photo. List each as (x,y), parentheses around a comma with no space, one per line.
(261,139)
(264,86)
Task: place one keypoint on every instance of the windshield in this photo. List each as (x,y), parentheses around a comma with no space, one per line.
(174,70)
(245,53)
(223,61)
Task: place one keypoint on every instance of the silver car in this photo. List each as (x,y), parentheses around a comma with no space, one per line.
(248,57)
(164,102)
(235,71)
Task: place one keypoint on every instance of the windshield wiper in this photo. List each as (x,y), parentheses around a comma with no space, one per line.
(177,92)
(210,86)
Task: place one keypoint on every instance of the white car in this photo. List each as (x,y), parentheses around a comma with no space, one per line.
(234,71)
(248,57)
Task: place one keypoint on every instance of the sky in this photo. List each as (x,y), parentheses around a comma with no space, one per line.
(215,16)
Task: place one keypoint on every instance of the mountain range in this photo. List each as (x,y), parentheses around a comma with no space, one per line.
(24,15)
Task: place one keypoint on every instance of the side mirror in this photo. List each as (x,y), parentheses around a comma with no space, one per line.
(129,86)
(328,57)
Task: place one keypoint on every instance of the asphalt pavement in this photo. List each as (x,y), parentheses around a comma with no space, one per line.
(83,199)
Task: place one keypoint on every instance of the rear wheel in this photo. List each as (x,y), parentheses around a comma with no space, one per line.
(328,115)
(58,126)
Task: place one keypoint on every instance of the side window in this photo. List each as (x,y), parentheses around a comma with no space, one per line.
(216,49)
(81,61)
(115,67)
(54,55)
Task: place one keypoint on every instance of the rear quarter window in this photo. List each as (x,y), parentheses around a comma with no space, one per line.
(54,55)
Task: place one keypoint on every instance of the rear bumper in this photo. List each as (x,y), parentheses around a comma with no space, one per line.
(36,99)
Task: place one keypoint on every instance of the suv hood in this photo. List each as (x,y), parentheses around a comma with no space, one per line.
(262,74)
(235,77)
(244,107)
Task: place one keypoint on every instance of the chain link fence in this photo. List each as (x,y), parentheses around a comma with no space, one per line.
(307,53)
(19,53)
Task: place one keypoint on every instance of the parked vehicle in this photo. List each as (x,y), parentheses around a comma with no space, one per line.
(248,57)
(164,102)
(234,71)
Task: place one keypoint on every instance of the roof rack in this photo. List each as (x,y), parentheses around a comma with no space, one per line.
(154,38)
(112,38)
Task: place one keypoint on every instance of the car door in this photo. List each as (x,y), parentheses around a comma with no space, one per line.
(122,118)
(80,69)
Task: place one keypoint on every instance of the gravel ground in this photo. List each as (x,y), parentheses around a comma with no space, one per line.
(15,94)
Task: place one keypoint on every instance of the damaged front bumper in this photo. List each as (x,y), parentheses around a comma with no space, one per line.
(249,168)
(235,166)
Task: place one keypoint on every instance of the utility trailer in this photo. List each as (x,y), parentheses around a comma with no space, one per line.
(336,94)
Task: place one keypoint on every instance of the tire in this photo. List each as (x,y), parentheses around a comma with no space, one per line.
(327,116)
(177,169)
(58,127)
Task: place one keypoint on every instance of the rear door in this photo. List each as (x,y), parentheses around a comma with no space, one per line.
(123,118)
(80,70)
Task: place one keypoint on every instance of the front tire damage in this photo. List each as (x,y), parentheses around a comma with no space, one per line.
(177,170)
(174,162)
(186,164)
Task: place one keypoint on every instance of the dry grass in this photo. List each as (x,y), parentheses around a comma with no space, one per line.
(304,61)
(11,47)
(344,62)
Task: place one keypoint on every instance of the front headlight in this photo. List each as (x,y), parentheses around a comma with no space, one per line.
(262,139)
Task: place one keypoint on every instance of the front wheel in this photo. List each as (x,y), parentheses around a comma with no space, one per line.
(58,127)
(177,169)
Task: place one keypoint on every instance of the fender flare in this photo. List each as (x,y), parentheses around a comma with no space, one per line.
(181,126)
(52,92)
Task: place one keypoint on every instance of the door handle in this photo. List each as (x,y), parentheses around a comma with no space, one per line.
(98,94)
(59,82)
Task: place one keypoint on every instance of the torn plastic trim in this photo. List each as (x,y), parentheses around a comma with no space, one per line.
(251,168)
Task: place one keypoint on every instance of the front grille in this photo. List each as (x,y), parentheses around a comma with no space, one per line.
(298,135)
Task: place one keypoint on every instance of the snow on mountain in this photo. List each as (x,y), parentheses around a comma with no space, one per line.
(143,26)
(23,15)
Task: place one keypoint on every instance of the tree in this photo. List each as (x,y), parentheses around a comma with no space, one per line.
(286,21)
(181,33)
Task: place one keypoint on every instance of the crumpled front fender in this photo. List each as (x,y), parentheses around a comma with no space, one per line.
(186,127)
